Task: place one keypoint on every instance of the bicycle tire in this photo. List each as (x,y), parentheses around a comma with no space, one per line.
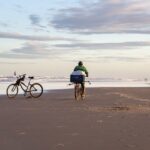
(36,90)
(12,91)
(77,91)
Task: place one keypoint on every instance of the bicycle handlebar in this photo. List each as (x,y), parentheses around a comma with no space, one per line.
(21,76)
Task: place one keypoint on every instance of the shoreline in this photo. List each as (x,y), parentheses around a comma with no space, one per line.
(87,87)
(94,84)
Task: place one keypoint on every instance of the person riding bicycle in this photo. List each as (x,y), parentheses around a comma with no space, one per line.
(81,67)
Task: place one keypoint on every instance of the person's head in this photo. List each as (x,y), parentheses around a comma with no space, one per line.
(80,63)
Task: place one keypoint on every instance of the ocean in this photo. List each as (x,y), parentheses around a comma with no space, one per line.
(54,83)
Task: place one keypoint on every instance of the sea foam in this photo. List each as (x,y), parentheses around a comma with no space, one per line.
(54,83)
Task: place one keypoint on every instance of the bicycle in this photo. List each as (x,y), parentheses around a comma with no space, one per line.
(78,80)
(35,90)
(78,91)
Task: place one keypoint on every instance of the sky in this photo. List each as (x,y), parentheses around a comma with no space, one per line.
(49,37)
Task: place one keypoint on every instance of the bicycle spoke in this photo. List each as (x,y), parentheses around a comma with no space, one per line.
(12,90)
(36,90)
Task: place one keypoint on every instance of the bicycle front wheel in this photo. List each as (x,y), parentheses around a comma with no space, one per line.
(12,90)
(36,90)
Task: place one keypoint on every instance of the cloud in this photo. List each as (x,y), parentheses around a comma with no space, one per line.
(34,50)
(18,8)
(28,50)
(2,24)
(103,46)
(109,59)
(85,50)
(111,16)
(15,63)
(20,36)
(122,59)
(35,19)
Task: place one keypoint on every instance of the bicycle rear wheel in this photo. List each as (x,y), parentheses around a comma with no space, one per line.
(12,90)
(77,91)
(36,90)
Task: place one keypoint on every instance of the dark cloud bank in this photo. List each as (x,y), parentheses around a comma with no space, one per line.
(111,16)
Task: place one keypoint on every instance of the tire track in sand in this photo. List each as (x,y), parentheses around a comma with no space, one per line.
(129,96)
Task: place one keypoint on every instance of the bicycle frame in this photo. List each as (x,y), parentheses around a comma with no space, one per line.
(25,87)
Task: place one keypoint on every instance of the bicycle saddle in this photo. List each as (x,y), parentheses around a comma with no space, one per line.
(31,77)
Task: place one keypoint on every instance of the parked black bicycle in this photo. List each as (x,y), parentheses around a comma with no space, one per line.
(34,89)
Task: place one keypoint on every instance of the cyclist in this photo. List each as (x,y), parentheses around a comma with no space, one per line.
(81,67)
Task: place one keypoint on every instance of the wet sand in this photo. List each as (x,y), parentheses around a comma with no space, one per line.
(108,119)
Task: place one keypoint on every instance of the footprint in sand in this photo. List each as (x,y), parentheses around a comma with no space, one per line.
(75,134)
(99,121)
(21,133)
(60,145)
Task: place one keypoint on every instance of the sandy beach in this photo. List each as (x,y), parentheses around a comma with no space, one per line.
(108,119)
